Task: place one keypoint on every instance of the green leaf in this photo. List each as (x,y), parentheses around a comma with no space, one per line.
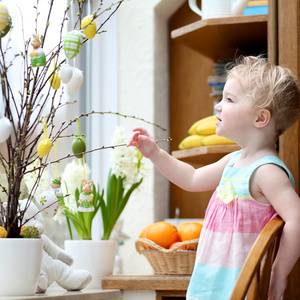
(125,199)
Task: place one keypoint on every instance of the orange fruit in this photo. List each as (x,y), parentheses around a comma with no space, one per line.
(189,230)
(162,233)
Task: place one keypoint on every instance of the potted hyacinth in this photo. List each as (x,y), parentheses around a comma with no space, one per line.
(125,176)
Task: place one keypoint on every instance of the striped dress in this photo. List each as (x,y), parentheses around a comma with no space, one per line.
(233,221)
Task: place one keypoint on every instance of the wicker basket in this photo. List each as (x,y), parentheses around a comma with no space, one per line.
(168,261)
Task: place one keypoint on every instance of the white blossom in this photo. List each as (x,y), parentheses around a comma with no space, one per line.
(126,161)
(72,177)
(31,178)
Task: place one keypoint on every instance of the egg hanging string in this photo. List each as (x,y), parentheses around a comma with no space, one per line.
(84,177)
(83,159)
(55,148)
(45,127)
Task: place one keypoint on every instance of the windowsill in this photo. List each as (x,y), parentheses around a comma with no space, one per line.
(55,292)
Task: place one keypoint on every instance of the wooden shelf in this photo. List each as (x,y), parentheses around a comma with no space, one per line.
(195,46)
(222,37)
(204,155)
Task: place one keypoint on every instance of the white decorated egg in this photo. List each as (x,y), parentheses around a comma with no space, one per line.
(4,17)
(73,43)
(48,203)
(66,74)
(5,129)
(76,81)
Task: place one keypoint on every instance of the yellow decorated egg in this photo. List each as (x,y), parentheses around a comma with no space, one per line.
(89,27)
(44,147)
(4,17)
(73,43)
(55,81)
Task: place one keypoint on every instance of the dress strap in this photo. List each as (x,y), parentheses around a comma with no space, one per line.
(272,159)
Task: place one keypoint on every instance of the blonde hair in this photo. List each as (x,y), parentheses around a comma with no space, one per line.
(269,86)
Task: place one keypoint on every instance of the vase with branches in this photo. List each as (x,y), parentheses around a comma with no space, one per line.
(28,130)
(35,102)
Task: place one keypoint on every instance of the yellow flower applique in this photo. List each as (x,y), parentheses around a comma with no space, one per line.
(227,192)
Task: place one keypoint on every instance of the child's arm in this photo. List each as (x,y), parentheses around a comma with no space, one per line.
(178,172)
(277,188)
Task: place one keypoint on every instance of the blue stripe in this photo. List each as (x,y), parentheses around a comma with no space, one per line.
(211,283)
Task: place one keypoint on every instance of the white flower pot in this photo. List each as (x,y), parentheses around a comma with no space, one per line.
(98,257)
(20,266)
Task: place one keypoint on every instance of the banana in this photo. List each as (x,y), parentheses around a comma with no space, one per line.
(192,129)
(191,141)
(216,140)
(207,128)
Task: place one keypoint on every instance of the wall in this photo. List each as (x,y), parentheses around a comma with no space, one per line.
(143,91)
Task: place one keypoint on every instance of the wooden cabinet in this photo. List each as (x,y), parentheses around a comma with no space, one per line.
(195,45)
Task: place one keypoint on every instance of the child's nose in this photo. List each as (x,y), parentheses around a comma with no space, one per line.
(218,106)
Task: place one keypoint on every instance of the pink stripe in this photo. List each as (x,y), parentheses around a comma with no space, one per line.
(238,243)
(240,215)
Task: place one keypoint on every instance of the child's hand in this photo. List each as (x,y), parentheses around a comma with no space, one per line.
(144,142)
(276,288)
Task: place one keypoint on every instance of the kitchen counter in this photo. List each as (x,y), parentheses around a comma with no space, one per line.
(163,285)
(146,282)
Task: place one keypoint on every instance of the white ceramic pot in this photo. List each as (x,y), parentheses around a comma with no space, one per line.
(20,265)
(98,257)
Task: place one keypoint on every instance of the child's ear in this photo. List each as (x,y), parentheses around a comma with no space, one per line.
(263,118)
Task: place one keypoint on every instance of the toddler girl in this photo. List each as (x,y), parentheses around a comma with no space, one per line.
(260,101)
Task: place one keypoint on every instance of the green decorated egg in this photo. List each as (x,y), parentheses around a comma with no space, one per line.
(73,43)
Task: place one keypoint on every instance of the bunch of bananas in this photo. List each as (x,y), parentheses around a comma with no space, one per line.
(203,133)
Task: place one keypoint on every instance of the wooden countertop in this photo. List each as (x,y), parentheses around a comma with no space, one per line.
(146,282)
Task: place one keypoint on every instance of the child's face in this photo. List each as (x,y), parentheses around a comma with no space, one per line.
(235,112)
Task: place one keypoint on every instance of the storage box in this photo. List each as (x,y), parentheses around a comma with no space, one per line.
(256,8)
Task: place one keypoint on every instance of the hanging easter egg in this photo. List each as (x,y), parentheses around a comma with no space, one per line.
(73,43)
(7,28)
(48,202)
(76,81)
(44,147)
(37,56)
(78,146)
(55,80)
(66,74)
(4,17)
(5,129)
(89,27)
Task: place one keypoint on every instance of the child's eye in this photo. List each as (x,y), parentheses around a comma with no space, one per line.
(229,100)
